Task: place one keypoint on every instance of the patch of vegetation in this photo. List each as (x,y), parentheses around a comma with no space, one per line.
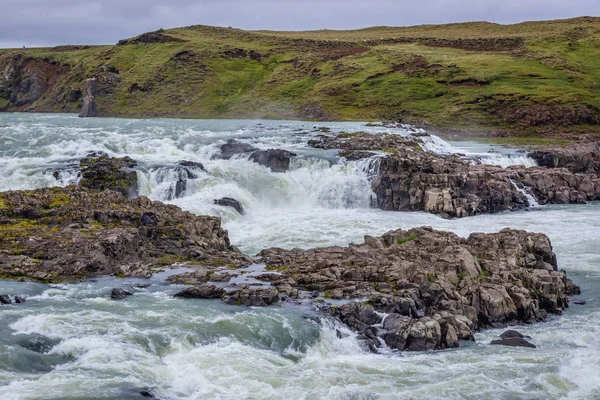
(406,239)
(277,268)
(526,79)
(170,259)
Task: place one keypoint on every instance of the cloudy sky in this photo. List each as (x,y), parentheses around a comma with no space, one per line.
(54,22)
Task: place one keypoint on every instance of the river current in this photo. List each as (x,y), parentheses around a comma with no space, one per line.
(73,342)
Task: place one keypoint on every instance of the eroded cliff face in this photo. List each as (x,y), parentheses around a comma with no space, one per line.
(24,82)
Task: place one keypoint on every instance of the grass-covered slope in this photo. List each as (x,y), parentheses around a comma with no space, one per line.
(528,77)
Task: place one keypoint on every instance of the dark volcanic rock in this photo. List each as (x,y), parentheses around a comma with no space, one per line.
(583,157)
(73,232)
(118,294)
(19,299)
(253,297)
(413,180)
(202,292)
(513,342)
(233,147)
(5,299)
(509,334)
(438,288)
(229,202)
(104,172)
(149,38)
(275,159)
(89,109)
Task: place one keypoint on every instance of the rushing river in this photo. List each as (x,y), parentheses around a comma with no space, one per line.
(73,342)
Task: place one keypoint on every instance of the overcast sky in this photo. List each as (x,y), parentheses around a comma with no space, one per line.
(53,22)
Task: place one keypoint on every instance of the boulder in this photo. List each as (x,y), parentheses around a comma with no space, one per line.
(234,147)
(229,202)
(275,159)
(202,292)
(102,172)
(510,334)
(513,342)
(118,294)
(5,299)
(89,109)
(19,299)
(253,297)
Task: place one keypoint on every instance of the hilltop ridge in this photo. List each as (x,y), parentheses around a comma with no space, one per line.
(531,78)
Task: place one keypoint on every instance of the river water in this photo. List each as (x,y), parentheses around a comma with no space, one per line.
(73,342)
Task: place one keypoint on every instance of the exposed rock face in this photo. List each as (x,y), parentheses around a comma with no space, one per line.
(23,81)
(253,297)
(229,202)
(584,158)
(233,147)
(413,180)
(436,287)
(275,159)
(150,37)
(88,109)
(202,292)
(103,172)
(69,233)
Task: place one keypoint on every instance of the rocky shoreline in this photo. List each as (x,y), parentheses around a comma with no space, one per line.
(411,179)
(419,289)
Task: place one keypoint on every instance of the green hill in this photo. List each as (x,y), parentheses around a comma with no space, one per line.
(540,77)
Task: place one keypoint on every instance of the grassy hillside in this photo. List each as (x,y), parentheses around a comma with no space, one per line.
(533,77)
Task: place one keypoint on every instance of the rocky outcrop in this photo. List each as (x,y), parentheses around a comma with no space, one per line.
(357,141)
(101,172)
(276,160)
(578,158)
(233,147)
(150,38)
(412,180)
(252,297)
(201,292)
(229,202)
(74,232)
(89,109)
(436,287)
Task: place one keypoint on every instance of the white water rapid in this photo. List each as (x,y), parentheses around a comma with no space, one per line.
(73,342)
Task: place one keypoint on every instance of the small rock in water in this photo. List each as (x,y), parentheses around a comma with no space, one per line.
(201,292)
(513,342)
(579,302)
(119,294)
(509,334)
(19,299)
(146,393)
(230,202)
(5,299)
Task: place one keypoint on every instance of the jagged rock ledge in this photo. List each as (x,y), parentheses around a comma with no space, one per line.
(436,287)
(411,179)
(70,233)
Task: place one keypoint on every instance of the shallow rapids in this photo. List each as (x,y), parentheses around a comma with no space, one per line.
(73,342)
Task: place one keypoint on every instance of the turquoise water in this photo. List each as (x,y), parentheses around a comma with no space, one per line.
(73,342)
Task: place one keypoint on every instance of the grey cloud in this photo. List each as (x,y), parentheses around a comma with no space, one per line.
(52,22)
